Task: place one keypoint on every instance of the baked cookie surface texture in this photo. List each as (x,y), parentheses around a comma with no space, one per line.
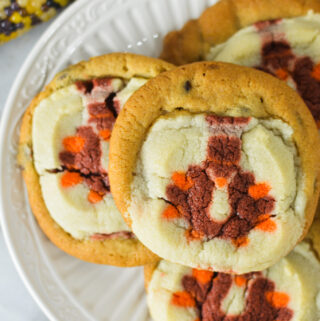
(69,135)
(287,291)
(218,177)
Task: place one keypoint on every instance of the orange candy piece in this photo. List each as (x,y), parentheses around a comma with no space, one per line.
(282,74)
(183,182)
(94,197)
(73,144)
(221,182)
(240,280)
(316,72)
(105,134)
(241,241)
(69,179)
(278,299)
(259,190)
(269,225)
(170,213)
(183,299)
(202,276)
(193,235)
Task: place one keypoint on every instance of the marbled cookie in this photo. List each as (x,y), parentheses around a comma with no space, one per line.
(64,146)
(287,291)
(222,20)
(289,49)
(214,166)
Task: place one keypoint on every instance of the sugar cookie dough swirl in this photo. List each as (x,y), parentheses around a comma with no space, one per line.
(64,146)
(222,170)
(287,291)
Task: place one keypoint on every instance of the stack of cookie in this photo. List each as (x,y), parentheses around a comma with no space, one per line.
(207,173)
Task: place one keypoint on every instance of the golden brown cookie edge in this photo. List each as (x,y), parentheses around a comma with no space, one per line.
(114,252)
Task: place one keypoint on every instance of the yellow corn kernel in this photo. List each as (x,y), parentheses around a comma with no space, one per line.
(48,14)
(27,21)
(16,18)
(62,2)
(38,13)
(6,38)
(34,6)
(31,8)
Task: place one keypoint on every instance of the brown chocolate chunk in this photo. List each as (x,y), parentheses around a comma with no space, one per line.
(187,85)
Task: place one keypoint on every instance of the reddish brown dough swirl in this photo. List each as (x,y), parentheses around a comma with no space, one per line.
(229,195)
(250,204)
(279,59)
(82,153)
(262,302)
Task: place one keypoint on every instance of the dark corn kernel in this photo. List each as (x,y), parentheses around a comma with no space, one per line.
(34,20)
(53,4)
(20,25)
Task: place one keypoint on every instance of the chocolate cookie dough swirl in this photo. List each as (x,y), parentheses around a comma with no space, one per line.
(222,171)
(287,291)
(64,146)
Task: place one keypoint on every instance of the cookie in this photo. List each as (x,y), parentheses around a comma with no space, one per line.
(63,150)
(220,171)
(287,291)
(289,49)
(222,20)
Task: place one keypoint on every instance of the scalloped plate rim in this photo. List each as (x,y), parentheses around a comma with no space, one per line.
(17,261)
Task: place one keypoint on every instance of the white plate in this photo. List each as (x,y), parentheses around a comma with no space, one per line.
(64,287)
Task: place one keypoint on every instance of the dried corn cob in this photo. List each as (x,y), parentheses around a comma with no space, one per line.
(18,16)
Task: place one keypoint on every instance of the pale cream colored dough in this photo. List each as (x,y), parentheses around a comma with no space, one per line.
(55,118)
(172,145)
